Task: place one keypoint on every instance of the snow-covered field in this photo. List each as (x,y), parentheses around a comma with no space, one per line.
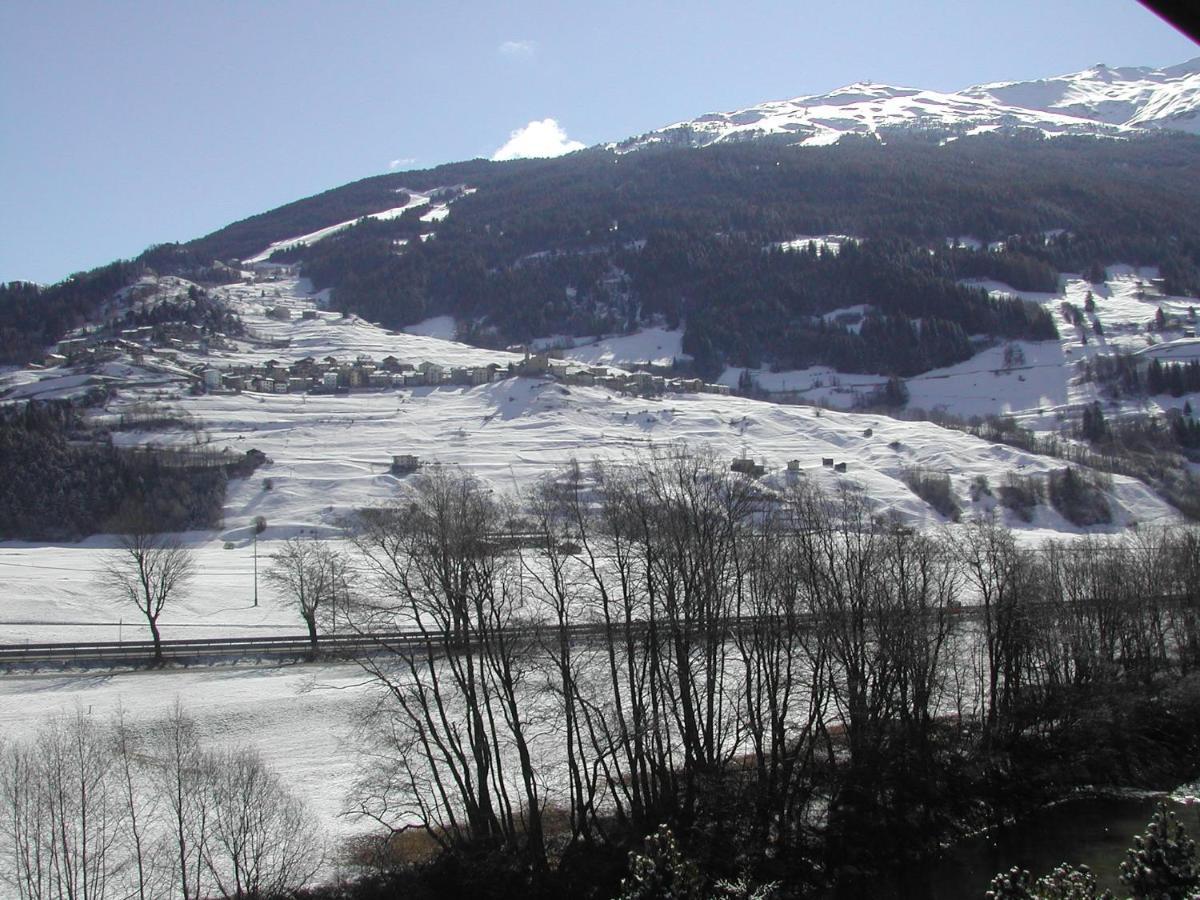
(647,346)
(300,717)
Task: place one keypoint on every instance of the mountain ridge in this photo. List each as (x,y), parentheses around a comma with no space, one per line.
(1098,100)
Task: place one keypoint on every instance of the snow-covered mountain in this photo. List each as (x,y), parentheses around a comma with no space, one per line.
(1134,97)
(1099,100)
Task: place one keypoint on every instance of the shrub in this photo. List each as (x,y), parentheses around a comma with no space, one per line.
(934,488)
(980,488)
(1079,498)
(1064,883)
(661,871)
(1021,494)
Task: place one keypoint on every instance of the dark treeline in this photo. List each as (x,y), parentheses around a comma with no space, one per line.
(32,316)
(60,480)
(1120,198)
(881,688)
(1127,375)
(1175,379)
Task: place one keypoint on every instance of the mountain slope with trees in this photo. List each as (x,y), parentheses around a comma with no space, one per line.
(599,241)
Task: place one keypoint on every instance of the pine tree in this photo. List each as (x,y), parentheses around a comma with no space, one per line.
(1161,864)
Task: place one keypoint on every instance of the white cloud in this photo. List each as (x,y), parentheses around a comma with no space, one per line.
(517,49)
(402,161)
(540,139)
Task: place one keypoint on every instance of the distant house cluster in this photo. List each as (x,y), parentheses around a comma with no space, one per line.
(332,375)
(165,342)
(271,271)
(641,383)
(746,465)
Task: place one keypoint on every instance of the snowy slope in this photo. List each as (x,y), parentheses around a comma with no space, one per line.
(1045,388)
(331,454)
(1140,97)
(1099,100)
(438,210)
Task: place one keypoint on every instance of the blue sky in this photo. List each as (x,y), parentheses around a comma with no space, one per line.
(124,124)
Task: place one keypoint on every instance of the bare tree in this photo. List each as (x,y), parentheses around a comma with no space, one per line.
(310,573)
(180,776)
(262,841)
(138,805)
(60,823)
(438,567)
(148,569)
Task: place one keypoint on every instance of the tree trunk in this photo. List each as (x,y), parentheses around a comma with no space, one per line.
(158,654)
(311,622)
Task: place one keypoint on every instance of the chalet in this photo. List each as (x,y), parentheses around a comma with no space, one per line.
(330,379)
(432,371)
(71,347)
(641,382)
(390,363)
(404,463)
(534,364)
(460,375)
(355,376)
(212,378)
(139,335)
(827,462)
(839,467)
(308,315)
(280,386)
(380,379)
(793,465)
(306,368)
(747,466)
(299,384)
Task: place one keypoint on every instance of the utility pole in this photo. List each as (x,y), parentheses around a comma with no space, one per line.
(256,563)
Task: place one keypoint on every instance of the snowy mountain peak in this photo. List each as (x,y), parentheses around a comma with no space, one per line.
(1098,100)
(1137,97)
